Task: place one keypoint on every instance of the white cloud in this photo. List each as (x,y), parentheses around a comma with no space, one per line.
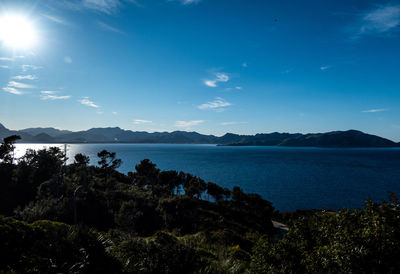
(188,2)
(28,67)
(54,97)
(381,20)
(218,105)
(107,27)
(11,58)
(187,124)
(25,77)
(85,101)
(19,85)
(210,83)
(219,77)
(4,67)
(375,110)
(68,59)
(244,65)
(55,19)
(238,87)
(106,6)
(140,121)
(324,67)
(48,92)
(232,123)
(12,90)
(114,113)
(222,77)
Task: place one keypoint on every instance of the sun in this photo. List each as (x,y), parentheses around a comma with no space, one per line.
(17,32)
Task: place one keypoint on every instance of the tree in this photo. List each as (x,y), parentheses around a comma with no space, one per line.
(215,191)
(146,174)
(108,163)
(7,149)
(81,159)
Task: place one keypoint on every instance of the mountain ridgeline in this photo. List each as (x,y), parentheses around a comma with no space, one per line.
(349,138)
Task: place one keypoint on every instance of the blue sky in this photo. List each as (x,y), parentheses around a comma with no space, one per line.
(212,66)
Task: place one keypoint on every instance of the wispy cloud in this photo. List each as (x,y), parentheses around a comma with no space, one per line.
(55,19)
(85,101)
(114,113)
(11,58)
(54,97)
(375,110)
(324,68)
(67,60)
(140,121)
(50,95)
(383,19)
(4,67)
(232,123)
(244,65)
(107,27)
(19,85)
(219,77)
(188,124)
(105,6)
(219,105)
(48,92)
(25,77)
(210,83)
(28,67)
(188,2)
(13,90)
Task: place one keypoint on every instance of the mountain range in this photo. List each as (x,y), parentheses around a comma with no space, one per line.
(349,138)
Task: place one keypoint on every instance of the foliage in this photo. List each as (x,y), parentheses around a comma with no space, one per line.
(157,221)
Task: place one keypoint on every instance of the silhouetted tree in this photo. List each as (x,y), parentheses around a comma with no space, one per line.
(81,159)
(7,149)
(215,191)
(146,174)
(108,163)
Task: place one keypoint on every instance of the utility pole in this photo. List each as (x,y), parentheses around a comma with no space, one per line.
(75,209)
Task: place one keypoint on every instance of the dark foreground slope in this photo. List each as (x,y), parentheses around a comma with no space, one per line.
(152,221)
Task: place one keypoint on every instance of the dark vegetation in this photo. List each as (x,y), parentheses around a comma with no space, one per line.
(155,221)
(349,138)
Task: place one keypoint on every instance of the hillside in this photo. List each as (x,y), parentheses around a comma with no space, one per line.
(349,138)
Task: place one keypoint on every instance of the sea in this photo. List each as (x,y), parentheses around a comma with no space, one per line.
(290,177)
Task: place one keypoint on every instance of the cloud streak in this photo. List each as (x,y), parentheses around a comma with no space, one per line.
(374,110)
(12,91)
(85,101)
(25,77)
(219,105)
(219,77)
(232,123)
(383,19)
(19,85)
(105,6)
(54,97)
(187,124)
(140,121)
(107,27)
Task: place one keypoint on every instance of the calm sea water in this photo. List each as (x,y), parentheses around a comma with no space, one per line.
(291,178)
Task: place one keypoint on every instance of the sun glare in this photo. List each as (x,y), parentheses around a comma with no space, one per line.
(17,32)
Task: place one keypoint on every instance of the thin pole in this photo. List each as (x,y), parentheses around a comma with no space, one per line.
(75,209)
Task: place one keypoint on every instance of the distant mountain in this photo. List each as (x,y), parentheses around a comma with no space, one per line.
(350,138)
(48,130)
